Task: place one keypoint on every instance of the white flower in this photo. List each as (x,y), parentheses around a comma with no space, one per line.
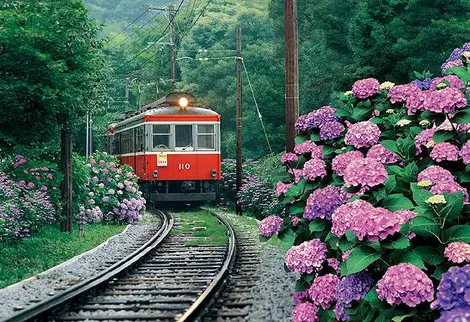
(387,85)
(403,122)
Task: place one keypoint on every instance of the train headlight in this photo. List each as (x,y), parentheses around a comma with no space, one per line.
(183,102)
(155,173)
(213,172)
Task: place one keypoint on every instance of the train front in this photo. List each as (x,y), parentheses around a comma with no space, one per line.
(174,147)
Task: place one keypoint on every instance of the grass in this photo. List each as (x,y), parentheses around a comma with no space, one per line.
(48,248)
(215,233)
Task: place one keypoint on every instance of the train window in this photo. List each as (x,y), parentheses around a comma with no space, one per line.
(140,139)
(184,136)
(161,136)
(206,137)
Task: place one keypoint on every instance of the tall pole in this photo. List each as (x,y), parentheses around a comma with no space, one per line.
(87,148)
(128,80)
(171,15)
(292,71)
(239,119)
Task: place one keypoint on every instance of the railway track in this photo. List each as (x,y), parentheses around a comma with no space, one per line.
(168,279)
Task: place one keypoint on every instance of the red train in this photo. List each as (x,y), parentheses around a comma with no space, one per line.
(174,147)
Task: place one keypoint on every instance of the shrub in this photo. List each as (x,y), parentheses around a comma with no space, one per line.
(23,209)
(386,199)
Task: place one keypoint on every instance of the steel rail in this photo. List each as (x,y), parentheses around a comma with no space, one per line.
(203,300)
(82,287)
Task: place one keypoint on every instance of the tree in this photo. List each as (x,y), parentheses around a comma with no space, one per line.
(51,72)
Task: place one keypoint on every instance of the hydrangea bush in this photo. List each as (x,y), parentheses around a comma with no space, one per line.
(377,204)
(109,192)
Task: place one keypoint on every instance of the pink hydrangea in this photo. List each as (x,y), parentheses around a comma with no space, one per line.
(445,151)
(295,220)
(405,215)
(343,216)
(306,257)
(454,81)
(322,290)
(458,252)
(445,100)
(334,264)
(400,93)
(465,152)
(341,161)
(416,101)
(345,255)
(305,312)
(289,157)
(423,139)
(381,154)
(270,226)
(362,135)
(314,168)
(435,174)
(405,284)
(309,147)
(301,297)
(331,130)
(448,187)
(282,188)
(365,88)
(365,172)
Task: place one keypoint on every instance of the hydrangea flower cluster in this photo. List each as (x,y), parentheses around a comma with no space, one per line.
(270,226)
(362,134)
(289,157)
(351,288)
(365,88)
(458,252)
(445,152)
(322,203)
(424,139)
(453,289)
(454,58)
(331,130)
(364,172)
(316,119)
(313,169)
(381,154)
(309,147)
(407,284)
(423,84)
(305,312)
(435,174)
(341,161)
(128,210)
(449,187)
(458,314)
(322,290)
(306,257)
(401,93)
(445,100)
(465,153)
(453,80)
(282,188)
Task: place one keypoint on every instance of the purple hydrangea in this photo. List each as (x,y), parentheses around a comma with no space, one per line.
(423,139)
(289,157)
(454,58)
(306,257)
(362,135)
(445,151)
(453,289)
(282,188)
(465,152)
(300,297)
(400,93)
(458,252)
(460,314)
(453,80)
(435,174)
(314,168)
(365,88)
(323,115)
(422,84)
(405,284)
(445,100)
(302,123)
(322,203)
(331,130)
(322,290)
(365,172)
(351,288)
(381,154)
(449,187)
(334,264)
(341,161)
(305,312)
(270,226)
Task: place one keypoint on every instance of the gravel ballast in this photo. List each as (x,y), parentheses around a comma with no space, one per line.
(77,269)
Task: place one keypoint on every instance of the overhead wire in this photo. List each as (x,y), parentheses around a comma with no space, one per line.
(135,20)
(196,20)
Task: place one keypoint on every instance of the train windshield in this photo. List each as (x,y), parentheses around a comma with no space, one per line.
(183,136)
(161,136)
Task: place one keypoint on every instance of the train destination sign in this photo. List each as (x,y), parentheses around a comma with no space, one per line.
(162,159)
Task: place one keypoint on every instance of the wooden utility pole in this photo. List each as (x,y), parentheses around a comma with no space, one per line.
(66,185)
(292,71)
(239,119)
(171,15)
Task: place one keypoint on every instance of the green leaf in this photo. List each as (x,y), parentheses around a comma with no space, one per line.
(425,227)
(301,285)
(452,208)
(377,120)
(328,149)
(297,208)
(342,113)
(314,137)
(316,225)
(400,318)
(401,243)
(462,117)
(390,145)
(420,196)
(390,183)
(397,202)
(299,139)
(350,236)
(459,233)
(359,259)
(372,297)
(287,238)
(406,256)
(429,255)
(442,136)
